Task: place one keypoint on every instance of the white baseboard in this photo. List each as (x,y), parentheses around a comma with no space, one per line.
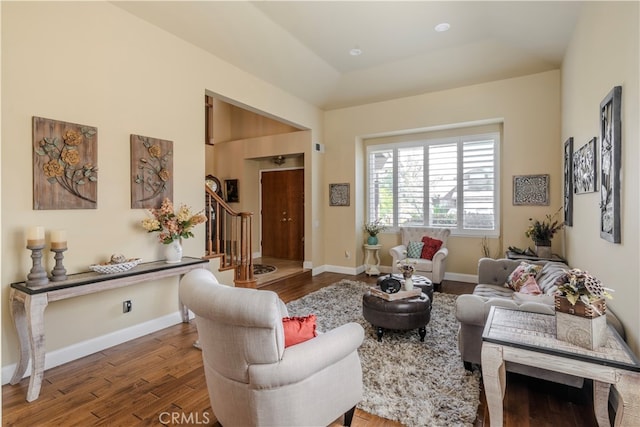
(93,345)
(459,277)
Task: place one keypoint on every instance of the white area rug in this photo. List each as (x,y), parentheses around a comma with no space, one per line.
(405,380)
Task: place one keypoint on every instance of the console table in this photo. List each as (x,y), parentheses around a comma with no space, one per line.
(529,257)
(28,305)
(530,339)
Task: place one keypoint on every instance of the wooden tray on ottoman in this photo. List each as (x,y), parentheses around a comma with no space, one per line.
(398,295)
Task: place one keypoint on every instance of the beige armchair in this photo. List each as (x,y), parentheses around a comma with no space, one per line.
(253,380)
(434,269)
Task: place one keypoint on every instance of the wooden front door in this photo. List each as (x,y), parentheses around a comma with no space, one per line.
(283,214)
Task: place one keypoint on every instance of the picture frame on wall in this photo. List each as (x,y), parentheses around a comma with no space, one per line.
(568,182)
(610,163)
(531,190)
(231,190)
(339,194)
(584,168)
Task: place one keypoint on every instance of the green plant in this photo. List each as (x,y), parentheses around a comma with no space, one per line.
(375,227)
(543,231)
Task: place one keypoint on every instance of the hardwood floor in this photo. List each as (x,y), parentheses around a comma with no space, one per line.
(158,380)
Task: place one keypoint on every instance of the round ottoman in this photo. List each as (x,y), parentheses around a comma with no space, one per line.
(403,314)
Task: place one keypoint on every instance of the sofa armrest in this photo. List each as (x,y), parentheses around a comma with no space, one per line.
(302,360)
(439,265)
(398,253)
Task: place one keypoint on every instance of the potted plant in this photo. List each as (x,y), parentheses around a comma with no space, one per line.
(541,232)
(580,308)
(373,228)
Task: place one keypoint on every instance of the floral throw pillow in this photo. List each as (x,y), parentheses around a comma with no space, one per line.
(521,274)
(530,287)
(414,249)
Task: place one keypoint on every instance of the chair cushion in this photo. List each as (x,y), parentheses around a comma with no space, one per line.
(299,329)
(414,249)
(520,275)
(431,246)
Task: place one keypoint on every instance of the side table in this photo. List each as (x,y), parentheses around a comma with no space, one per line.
(514,255)
(372,250)
(530,339)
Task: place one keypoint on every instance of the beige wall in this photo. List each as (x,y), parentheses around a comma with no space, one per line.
(93,63)
(604,53)
(528,107)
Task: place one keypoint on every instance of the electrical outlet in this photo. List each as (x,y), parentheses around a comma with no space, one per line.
(127,306)
(347,254)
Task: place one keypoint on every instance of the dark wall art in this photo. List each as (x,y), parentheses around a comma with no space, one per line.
(65,165)
(568,182)
(531,190)
(610,159)
(151,171)
(339,194)
(584,168)
(232,190)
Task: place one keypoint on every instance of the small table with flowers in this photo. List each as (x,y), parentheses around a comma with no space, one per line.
(372,250)
(530,339)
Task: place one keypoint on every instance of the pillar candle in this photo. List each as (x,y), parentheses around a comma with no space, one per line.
(35,236)
(59,239)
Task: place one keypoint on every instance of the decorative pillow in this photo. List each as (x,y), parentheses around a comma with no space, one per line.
(414,249)
(520,275)
(530,287)
(431,246)
(299,329)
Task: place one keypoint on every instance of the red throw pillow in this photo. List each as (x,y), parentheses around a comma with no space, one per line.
(299,329)
(431,246)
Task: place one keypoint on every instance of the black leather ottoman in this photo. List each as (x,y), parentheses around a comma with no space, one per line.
(403,314)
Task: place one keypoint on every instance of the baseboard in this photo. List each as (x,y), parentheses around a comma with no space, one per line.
(93,345)
(459,277)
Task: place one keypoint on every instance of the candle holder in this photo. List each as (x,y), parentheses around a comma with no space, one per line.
(59,273)
(37,276)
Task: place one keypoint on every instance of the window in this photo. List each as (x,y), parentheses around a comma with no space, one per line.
(447,182)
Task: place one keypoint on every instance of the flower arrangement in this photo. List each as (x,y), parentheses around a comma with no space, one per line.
(543,231)
(578,285)
(406,267)
(374,227)
(172,225)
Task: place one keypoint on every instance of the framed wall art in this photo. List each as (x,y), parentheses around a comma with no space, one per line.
(151,171)
(568,182)
(584,168)
(65,165)
(231,190)
(339,194)
(610,158)
(531,190)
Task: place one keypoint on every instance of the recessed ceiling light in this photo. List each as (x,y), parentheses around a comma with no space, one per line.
(442,27)
(356,51)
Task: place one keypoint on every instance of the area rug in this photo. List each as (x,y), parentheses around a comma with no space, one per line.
(405,380)
(263,268)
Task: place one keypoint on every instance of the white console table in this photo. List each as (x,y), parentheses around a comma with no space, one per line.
(28,305)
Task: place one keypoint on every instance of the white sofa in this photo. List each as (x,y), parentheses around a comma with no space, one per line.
(433,269)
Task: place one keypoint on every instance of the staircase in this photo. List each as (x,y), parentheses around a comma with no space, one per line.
(229,235)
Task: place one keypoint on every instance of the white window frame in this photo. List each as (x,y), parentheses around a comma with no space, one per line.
(424,142)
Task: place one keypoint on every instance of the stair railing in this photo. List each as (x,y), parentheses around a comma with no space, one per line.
(229,236)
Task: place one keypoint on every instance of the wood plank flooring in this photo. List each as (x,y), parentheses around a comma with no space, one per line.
(158,380)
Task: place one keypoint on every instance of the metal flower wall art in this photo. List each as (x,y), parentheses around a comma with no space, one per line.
(64,165)
(151,171)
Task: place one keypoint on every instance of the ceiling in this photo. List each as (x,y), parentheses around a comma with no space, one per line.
(304,47)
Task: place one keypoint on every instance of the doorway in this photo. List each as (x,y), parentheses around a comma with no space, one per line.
(283,214)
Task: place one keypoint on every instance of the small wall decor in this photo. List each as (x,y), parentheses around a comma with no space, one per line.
(568,182)
(531,190)
(584,168)
(339,194)
(151,172)
(65,159)
(231,190)
(610,158)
